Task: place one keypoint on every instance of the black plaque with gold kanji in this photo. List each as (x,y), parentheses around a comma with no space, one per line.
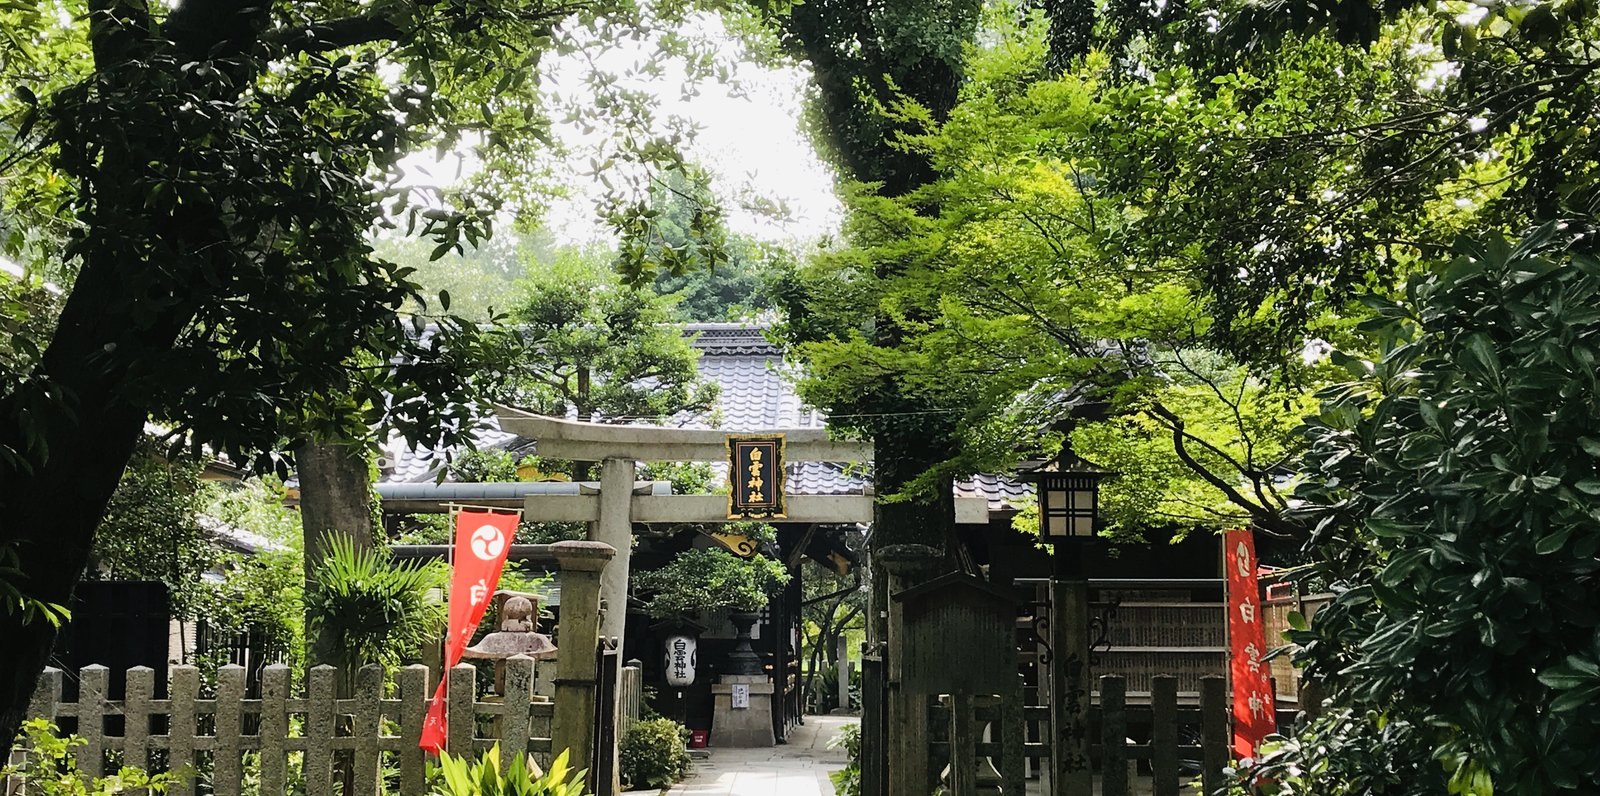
(755,477)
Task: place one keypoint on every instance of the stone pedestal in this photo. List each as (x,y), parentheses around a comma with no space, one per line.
(742,727)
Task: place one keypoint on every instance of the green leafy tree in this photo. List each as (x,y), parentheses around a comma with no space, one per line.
(1297,154)
(683,240)
(480,280)
(1016,303)
(709,579)
(832,606)
(1130,208)
(262,593)
(152,529)
(1452,488)
(866,57)
(601,350)
(203,177)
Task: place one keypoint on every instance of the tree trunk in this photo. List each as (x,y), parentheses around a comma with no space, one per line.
(335,495)
(583,471)
(88,428)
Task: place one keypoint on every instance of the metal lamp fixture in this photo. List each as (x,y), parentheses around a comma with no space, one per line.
(1069,497)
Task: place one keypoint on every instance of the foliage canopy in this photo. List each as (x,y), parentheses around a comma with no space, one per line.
(1452,489)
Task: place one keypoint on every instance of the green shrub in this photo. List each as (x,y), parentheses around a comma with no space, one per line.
(708,579)
(366,608)
(457,776)
(653,754)
(1452,496)
(847,780)
(49,768)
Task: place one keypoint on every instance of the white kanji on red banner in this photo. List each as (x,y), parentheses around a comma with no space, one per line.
(1254,715)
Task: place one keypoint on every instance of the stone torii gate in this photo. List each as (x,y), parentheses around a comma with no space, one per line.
(612,512)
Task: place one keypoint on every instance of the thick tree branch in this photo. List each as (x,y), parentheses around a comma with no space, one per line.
(340,33)
(1264,518)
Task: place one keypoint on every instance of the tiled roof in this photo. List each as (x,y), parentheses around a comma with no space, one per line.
(1003,493)
(756,394)
(236,538)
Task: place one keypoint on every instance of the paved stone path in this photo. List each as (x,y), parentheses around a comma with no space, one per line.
(797,768)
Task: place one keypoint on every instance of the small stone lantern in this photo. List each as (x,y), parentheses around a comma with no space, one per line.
(518,635)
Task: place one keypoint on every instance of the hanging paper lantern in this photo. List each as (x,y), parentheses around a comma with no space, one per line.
(680,659)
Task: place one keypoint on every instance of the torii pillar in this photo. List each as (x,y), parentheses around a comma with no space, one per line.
(614,526)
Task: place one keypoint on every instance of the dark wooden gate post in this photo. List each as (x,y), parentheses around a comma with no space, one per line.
(1114,736)
(1213,732)
(605,775)
(1164,734)
(874,738)
(908,769)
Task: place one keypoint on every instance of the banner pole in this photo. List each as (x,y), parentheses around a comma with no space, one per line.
(450,562)
(455,508)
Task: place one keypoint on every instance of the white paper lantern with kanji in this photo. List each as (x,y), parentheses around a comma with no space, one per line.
(679,660)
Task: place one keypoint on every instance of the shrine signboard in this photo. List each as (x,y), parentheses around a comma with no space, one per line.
(755,477)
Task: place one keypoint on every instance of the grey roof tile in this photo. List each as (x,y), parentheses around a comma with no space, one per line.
(756,394)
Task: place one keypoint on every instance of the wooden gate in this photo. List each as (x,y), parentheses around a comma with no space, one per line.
(1156,745)
(874,729)
(603,771)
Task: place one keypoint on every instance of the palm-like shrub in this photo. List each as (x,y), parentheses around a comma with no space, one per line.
(365,608)
(458,776)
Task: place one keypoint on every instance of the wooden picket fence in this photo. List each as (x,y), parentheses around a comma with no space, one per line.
(1183,742)
(630,694)
(211,738)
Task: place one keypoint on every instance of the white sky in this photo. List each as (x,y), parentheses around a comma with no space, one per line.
(751,143)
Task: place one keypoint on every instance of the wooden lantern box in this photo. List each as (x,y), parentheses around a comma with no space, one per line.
(960,635)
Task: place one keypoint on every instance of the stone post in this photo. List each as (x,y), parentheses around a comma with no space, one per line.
(908,773)
(1069,698)
(615,528)
(573,730)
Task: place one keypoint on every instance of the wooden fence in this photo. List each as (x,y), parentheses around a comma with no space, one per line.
(1162,743)
(630,694)
(373,736)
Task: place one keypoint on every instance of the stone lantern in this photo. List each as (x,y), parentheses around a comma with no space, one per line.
(518,635)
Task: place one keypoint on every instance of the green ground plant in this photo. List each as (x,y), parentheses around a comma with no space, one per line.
(652,753)
(847,780)
(49,767)
(458,776)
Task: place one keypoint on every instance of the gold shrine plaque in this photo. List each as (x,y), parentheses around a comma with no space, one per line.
(755,477)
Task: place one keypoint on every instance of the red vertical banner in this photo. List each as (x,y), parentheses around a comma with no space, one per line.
(1254,715)
(483,541)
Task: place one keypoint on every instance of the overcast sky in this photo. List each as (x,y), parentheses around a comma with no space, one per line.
(752,143)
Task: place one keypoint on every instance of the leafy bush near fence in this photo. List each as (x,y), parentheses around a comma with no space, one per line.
(1452,489)
(652,753)
(847,780)
(49,768)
